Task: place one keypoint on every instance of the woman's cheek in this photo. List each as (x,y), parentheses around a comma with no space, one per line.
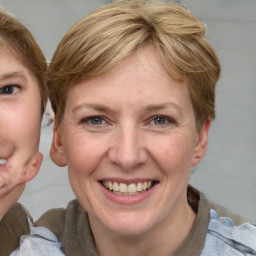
(172,152)
(83,156)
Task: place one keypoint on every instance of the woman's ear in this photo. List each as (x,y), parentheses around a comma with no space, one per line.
(32,167)
(201,143)
(57,151)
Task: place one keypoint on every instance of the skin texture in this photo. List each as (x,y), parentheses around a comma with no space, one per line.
(20,119)
(134,123)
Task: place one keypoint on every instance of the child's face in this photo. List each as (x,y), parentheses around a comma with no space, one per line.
(20,122)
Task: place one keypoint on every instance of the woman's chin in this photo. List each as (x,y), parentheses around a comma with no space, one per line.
(126,224)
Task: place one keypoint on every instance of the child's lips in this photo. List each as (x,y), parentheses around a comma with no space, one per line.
(3,161)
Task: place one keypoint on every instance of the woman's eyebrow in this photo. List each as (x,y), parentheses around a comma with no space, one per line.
(98,107)
(155,107)
(150,107)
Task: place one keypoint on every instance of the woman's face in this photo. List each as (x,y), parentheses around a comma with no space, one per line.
(20,121)
(129,139)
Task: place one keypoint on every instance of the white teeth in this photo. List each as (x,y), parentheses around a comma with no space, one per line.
(139,187)
(123,188)
(130,189)
(3,161)
(144,185)
(115,187)
(110,186)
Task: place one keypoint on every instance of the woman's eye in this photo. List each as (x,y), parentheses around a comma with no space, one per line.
(161,120)
(9,89)
(94,120)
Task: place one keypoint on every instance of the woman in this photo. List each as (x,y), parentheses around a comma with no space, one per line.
(23,96)
(132,88)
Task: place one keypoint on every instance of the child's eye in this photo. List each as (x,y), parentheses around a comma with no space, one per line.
(9,89)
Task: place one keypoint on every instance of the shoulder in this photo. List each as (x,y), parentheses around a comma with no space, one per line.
(72,228)
(39,241)
(204,206)
(13,225)
(48,231)
(228,239)
(222,212)
(57,219)
(16,215)
(217,231)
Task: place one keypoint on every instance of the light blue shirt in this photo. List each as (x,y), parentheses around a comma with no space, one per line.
(41,242)
(223,239)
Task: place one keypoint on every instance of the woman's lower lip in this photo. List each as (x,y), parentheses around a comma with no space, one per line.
(128,199)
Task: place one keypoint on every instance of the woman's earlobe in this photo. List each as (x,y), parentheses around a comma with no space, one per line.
(57,151)
(201,144)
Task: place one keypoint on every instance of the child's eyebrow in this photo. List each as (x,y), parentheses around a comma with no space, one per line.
(16,74)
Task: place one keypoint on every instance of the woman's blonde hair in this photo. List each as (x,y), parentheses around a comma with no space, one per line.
(16,38)
(104,38)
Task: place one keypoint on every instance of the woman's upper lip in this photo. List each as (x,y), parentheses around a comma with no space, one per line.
(127,181)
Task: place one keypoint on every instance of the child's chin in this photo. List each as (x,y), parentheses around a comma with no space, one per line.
(6,186)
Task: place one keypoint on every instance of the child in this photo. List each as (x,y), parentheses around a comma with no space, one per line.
(23,97)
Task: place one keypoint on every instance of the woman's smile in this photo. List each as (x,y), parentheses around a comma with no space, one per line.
(128,188)
(127,192)
(132,193)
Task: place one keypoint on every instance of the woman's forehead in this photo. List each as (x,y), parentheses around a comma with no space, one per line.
(140,80)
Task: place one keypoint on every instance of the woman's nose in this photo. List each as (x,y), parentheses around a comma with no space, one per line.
(127,149)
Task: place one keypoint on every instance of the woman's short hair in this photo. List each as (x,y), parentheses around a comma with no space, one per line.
(104,38)
(19,41)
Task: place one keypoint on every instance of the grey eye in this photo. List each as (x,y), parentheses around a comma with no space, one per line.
(160,120)
(9,89)
(95,120)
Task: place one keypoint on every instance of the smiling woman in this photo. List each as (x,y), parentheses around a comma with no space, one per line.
(132,86)
(143,144)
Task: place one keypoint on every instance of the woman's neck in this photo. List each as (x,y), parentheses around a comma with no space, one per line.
(162,239)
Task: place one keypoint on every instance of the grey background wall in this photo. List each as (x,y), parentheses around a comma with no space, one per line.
(227,174)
